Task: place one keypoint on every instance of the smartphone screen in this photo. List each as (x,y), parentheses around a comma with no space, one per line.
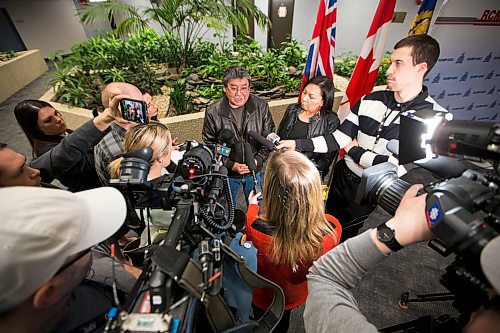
(134,110)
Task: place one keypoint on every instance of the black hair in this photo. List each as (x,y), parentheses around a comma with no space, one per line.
(327,91)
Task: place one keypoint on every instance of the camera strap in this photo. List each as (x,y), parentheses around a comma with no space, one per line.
(180,267)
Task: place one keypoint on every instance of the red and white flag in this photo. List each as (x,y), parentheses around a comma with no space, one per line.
(322,49)
(365,73)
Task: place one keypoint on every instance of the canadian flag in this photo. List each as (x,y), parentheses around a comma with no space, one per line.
(365,73)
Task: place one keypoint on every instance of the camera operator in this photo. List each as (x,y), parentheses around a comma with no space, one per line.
(331,305)
(46,237)
(156,136)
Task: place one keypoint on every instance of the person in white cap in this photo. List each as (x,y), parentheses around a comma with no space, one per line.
(45,241)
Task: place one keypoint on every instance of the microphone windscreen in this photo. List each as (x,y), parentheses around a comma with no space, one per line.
(226,137)
(262,140)
(145,154)
(265,133)
(240,220)
(249,158)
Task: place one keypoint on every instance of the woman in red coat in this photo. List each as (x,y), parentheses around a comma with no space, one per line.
(291,231)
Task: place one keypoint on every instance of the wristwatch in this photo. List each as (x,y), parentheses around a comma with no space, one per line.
(386,236)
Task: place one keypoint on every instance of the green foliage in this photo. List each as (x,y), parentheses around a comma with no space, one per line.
(95,62)
(178,97)
(7,55)
(211,92)
(185,19)
(293,53)
(346,63)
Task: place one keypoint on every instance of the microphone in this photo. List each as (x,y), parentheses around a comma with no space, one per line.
(239,221)
(262,140)
(226,137)
(249,160)
(273,137)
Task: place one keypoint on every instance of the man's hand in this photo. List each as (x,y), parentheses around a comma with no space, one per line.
(110,114)
(410,222)
(354,143)
(253,198)
(240,168)
(289,144)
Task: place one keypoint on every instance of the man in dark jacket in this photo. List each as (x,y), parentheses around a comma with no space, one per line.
(239,112)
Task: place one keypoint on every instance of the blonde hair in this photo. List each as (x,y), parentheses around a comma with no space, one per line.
(153,135)
(293,204)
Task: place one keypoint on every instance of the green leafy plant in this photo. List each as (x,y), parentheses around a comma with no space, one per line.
(211,92)
(7,55)
(346,62)
(178,97)
(81,76)
(186,19)
(293,53)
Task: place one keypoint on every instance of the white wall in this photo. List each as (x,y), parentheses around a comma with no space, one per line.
(46,25)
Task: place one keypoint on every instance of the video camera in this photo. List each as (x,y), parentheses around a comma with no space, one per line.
(462,210)
(202,272)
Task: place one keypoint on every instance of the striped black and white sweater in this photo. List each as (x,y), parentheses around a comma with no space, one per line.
(363,123)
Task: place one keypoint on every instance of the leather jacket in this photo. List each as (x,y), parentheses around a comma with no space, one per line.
(256,117)
(320,124)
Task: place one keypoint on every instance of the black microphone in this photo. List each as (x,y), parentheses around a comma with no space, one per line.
(217,185)
(239,221)
(262,140)
(226,137)
(250,162)
(271,136)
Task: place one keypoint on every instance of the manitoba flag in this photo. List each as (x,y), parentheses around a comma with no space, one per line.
(322,48)
(365,73)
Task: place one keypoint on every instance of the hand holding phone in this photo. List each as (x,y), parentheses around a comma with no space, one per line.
(134,110)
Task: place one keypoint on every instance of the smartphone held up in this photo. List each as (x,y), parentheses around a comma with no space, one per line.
(134,110)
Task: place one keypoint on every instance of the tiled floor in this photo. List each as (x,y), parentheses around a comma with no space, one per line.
(416,269)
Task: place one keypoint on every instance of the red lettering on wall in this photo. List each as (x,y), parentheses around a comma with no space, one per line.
(485,15)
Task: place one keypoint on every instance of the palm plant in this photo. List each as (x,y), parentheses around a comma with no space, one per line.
(188,19)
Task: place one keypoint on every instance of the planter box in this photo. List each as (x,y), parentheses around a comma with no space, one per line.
(185,127)
(16,73)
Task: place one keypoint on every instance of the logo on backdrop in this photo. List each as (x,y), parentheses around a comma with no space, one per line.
(436,78)
(491,91)
(464,77)
(488,57)
(460,60)
(467,93)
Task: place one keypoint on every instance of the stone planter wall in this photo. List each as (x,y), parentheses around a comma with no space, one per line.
(185,127)
(16,73)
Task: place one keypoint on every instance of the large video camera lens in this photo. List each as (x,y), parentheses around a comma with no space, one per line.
(381,186)
(196,162)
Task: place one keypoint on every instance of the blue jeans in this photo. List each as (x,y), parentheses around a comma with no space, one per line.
(235,183)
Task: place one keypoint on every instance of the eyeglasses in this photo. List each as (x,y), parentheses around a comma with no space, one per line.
(234,90)
(79,256)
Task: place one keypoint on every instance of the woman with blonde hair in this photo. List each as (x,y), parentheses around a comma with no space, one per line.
(291,231)
(156,136)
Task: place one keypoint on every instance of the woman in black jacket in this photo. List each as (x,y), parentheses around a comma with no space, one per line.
(44,127)
(313,117)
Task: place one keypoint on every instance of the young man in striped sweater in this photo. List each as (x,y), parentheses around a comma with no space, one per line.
(371,124)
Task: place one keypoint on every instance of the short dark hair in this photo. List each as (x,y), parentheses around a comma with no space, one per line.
(235,72)
(327,91)
(424,49)
(26,113)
